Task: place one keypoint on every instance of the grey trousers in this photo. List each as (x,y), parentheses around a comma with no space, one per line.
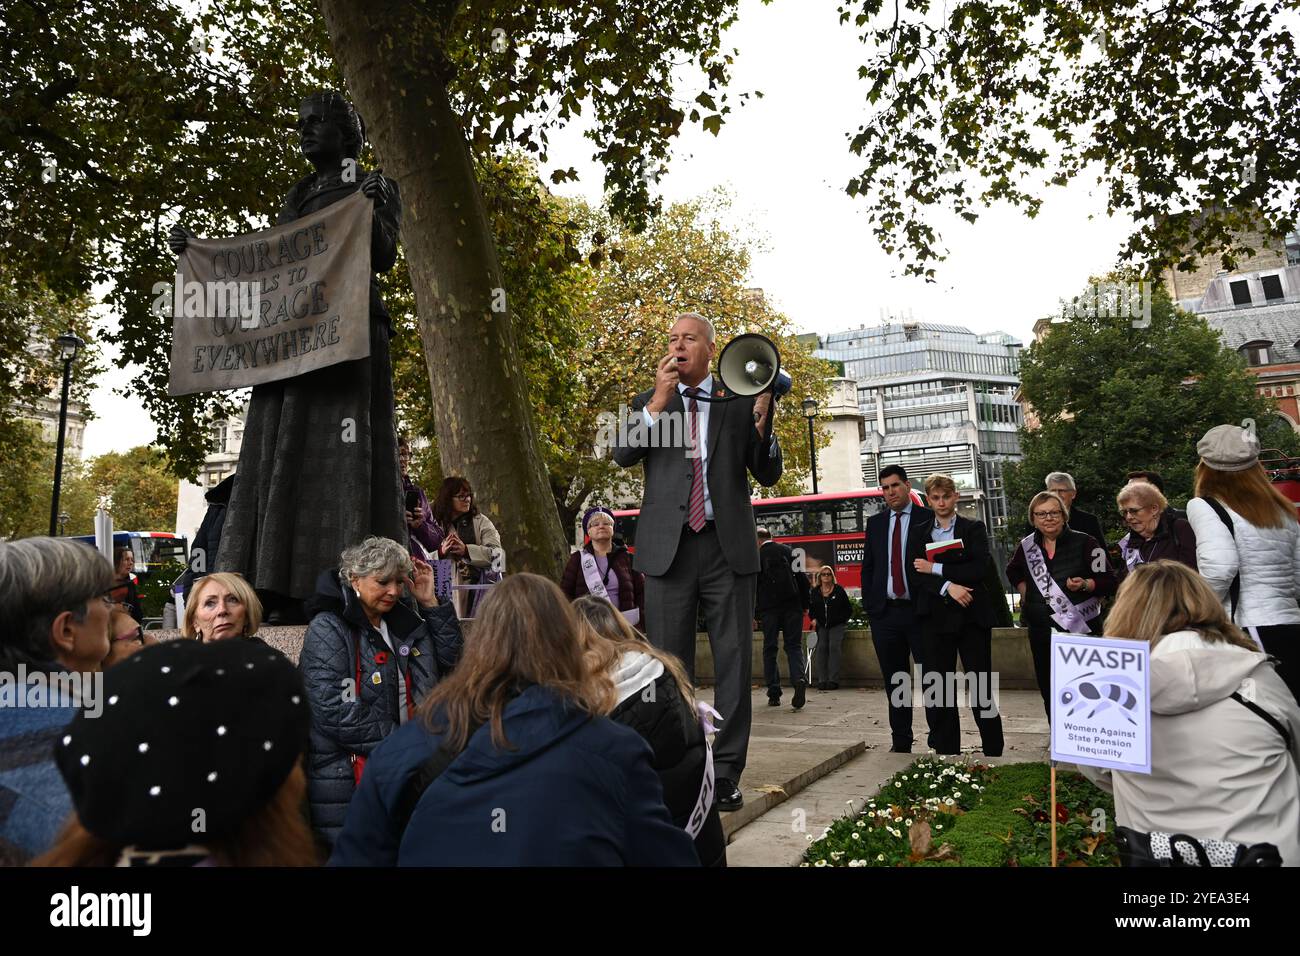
(826,655)
(700,579)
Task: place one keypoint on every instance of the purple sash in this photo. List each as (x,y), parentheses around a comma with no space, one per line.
(704,801)
(596,585)
(1132,557)
(1072,618)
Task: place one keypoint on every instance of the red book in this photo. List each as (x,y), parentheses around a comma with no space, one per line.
(935,548)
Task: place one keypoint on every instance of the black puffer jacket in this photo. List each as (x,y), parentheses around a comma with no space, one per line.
(652,704)
(349,717)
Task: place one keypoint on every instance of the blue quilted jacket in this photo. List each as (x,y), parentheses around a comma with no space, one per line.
(351,716)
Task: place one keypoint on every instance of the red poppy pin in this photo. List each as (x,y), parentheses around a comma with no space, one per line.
(720,393)
(1062,813)
(381,658)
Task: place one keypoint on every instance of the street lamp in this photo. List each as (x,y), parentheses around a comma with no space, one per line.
(69,345)
(63,523)
(810,412)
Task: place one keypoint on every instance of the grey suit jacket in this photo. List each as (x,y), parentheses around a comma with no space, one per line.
(734,447)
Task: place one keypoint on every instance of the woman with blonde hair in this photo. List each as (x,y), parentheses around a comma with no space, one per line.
(221,605)
(1248,544)
(510,761)
(1224,727)
(829,610)
(220,727)
(1061,575)
(653,697)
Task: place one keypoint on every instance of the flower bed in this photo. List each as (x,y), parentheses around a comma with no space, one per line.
(948,813)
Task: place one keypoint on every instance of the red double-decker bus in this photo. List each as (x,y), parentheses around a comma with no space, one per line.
(829,528)
(1284,473)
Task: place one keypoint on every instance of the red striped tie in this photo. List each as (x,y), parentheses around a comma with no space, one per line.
(695,519)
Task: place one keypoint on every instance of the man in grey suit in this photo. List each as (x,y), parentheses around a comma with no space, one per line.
(695,536)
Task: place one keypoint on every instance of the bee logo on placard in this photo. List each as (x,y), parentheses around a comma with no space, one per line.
(1100,692)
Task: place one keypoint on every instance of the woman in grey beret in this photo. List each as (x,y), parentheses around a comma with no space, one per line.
(1248,544)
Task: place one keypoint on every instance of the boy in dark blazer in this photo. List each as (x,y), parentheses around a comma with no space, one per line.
(955,615)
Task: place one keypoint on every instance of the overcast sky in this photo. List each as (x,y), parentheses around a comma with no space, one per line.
(785,159)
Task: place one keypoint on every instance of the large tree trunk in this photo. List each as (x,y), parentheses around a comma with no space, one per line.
(389,51)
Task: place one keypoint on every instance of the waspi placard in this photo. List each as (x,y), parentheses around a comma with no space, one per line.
(1101,702)
(275,303)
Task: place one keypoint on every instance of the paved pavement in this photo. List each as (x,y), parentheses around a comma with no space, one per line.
(805,766)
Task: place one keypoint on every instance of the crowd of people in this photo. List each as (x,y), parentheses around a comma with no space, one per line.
(1214,591)
(567,730)
(574,741)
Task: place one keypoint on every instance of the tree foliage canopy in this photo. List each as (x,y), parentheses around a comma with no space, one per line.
(1112,398)
(592,301)
(1184,111)
(123,117)
(136,486)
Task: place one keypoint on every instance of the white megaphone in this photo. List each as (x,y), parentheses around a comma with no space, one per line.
(751,365)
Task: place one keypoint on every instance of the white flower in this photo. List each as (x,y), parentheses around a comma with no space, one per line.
(948,801)
(820,863)
(857,836)
(908,821)
(938,826)
(956,793)
(898,783)
(880,857)
(934,786)
(836,854)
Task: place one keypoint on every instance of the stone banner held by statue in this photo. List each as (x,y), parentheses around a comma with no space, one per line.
(273,304)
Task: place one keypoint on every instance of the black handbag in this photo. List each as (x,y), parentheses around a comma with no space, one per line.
(1179,849)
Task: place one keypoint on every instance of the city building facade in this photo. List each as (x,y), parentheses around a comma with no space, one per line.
(219,464)
(936,398)
(1256,311)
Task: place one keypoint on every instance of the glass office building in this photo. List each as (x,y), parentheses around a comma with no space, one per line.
(936,398)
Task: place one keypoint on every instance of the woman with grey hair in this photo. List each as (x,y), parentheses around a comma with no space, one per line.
(1154,532)
(370,656)
(54,610)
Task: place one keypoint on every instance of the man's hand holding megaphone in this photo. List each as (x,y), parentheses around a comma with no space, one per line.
(666,381)
(762,409)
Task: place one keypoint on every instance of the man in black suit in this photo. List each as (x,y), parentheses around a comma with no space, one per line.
(953,608)
(1078,520)
(889,587)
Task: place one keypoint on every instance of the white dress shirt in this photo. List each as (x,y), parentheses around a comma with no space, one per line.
(905,516)
(938,533)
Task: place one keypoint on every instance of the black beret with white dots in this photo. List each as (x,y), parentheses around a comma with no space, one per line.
(185,742)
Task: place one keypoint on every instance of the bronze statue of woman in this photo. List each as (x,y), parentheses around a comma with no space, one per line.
(318,467)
